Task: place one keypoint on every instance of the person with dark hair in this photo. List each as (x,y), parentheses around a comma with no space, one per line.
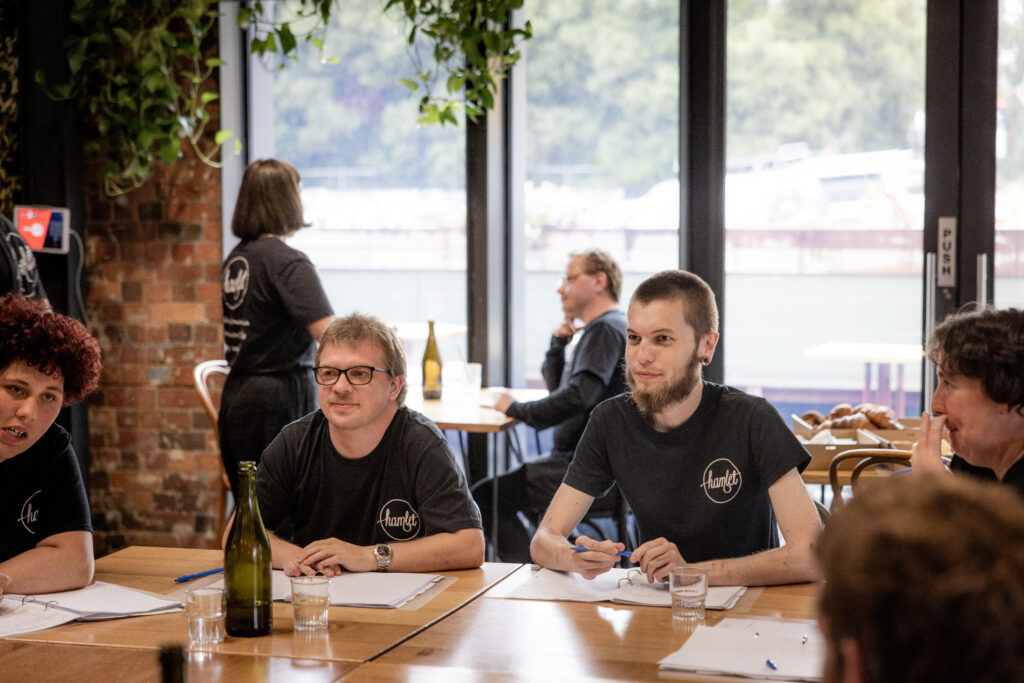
(275,310)
(593,373)
(364,483)
(924,581)
(706,469)
(18,272)
(47,361)
(979,397)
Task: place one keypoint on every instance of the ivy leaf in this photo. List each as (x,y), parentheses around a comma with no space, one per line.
(412,85)
(222,136)
(208,97)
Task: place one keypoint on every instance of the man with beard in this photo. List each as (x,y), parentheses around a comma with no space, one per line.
(710,472)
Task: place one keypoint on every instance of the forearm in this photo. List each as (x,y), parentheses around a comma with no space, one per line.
(463,549)
(63,564)
(580,395)
(282,552)
(552,550)
(554,362)
(792,563)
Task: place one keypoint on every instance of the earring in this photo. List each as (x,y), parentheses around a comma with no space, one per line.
(706,362)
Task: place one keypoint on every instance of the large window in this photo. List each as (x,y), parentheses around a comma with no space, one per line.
(386,198)
(602,101)
(824,201)
(1009,246)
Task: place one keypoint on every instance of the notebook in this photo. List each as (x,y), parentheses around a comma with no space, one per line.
(625,586)
(361,589)
(28,613)
(765,649)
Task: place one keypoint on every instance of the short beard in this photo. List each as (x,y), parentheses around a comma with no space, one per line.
(651,403)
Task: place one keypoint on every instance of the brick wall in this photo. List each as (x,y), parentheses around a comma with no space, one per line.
(153,271)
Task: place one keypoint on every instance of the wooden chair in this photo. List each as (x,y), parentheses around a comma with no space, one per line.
(208,378)
(862,459)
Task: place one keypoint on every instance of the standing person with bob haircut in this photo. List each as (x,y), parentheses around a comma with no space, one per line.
(979,397)
(275,310)
(47,361)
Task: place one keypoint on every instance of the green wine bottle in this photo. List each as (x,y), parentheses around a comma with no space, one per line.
(431,367)
(247,564)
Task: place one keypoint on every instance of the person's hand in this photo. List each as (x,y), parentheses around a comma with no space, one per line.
(926,454)
(567,328)
(331,555)
(503,400)
(599,557)
(656,558)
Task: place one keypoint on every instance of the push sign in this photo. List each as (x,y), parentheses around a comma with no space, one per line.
(947,252)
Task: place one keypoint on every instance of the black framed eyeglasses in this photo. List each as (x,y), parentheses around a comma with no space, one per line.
(357,376)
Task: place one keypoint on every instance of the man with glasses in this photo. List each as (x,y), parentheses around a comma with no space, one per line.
(364,483)
(578,377)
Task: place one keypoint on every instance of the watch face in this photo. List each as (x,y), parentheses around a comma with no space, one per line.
(382,552)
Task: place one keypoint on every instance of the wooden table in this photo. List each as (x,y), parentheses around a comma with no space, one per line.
(496,638)
(450,412)
(354,634)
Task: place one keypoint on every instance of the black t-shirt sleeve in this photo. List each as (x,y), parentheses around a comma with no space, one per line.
(445,504)
(301,292)
(275,483)
(67,493)
(590,470)
(776,449)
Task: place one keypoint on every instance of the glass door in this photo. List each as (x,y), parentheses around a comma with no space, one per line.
(1009,207)
(824,202)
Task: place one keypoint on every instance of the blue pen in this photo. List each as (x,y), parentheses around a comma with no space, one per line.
(621,553)
(771,665)
(189,577)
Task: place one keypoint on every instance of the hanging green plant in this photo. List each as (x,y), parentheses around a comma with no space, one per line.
(138,71)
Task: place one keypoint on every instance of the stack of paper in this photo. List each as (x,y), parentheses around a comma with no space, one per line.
(772,649)
(27,613)
(626,586)
(368,589)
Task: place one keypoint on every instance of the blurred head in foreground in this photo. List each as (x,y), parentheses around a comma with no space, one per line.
(924,581)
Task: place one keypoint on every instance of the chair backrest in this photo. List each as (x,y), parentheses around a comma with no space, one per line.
(209,377)
(861,459)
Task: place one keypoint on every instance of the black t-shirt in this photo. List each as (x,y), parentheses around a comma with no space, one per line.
(270,295)
(18,272)
(41,494)
(1013,478)
(408,487)
(703,485)
(593,374)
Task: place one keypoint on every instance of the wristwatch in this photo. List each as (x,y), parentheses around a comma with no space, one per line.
(382,553)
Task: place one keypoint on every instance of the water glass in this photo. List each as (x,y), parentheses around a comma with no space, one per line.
(310,595)
(689,588)
(204,611)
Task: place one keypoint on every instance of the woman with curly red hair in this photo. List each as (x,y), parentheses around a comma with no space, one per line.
(47,361)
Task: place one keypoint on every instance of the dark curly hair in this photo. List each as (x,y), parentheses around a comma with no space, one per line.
(987,345)
(50,342)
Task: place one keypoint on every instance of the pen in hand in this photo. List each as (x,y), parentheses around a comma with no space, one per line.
(621,553)
(189,577)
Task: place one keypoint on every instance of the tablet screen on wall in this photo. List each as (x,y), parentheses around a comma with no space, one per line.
(45,228)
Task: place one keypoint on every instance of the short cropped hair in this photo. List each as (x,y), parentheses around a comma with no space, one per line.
(926,576)
(600,261)
(49,342)
(680,285)
(987,345)
(357,327)
(268,201)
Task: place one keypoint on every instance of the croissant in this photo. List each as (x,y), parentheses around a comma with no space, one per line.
(840,410)
(883,418)
(854,421)
(813,418)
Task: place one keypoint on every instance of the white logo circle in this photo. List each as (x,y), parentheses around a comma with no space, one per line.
(236,282)
(398,520)
(721,481)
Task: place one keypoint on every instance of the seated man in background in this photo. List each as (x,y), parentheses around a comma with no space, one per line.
(364,483)
(706,469)
(924,581)
(47,361)
(590,293)
(979,397)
